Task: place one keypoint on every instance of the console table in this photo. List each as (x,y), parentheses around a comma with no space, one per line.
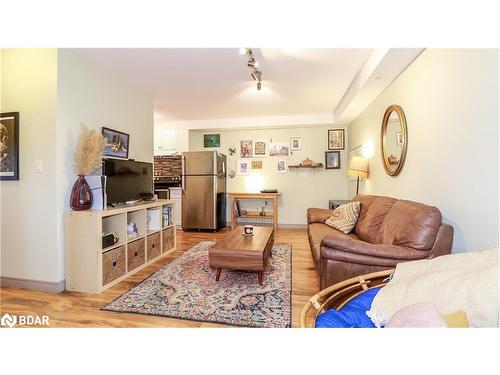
(255,214)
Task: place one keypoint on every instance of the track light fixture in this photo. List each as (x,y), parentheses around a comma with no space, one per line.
(252,63)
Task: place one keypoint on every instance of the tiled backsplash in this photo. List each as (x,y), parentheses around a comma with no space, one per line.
(167,166)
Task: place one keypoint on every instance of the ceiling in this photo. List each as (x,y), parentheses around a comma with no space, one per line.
(201,84)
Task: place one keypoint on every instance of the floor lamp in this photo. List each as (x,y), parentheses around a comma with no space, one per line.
(358,167)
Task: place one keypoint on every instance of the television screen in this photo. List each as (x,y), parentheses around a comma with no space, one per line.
(128,180)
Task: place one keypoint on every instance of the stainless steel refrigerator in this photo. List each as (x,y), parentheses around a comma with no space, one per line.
(203,190)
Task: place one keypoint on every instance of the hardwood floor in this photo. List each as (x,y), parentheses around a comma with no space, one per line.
(69,309)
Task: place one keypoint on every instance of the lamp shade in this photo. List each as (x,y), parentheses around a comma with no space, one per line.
(358,167)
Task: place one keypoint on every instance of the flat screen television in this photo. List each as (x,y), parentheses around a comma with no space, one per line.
(127,180)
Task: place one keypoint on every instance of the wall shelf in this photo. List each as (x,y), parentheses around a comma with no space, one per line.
(316,166)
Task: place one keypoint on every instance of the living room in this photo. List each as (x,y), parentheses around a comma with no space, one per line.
(249,187)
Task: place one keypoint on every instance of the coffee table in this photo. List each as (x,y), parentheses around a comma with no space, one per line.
(238,252)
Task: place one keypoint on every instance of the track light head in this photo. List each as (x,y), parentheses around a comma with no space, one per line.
(252,63)
(256,75)
(259,85)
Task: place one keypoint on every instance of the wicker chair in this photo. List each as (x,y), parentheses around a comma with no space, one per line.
(337,295)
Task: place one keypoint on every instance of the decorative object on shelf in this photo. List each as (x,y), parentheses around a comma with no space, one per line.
(307,163)
(109,239)
(88,158)
(232,151)
(279,149)
(248,230)
(260,148)
(243,167)
(211,140)
(232,173)
(336,139)
(269,191)
(295,143)
(263,209)
(9,146)
(358,167)
(132,230)
(246,149)
(394,140)
(332,159)
(256,164)
(281,166)
(253,64)
(117,143)
(313,165)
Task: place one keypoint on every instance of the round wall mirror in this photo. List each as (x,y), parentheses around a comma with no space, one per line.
(394,140)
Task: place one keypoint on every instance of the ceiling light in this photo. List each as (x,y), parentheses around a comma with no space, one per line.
(243,51)
(259,85)
(256,75)
(252,63)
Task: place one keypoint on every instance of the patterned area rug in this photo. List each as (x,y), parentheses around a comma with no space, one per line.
(186,289)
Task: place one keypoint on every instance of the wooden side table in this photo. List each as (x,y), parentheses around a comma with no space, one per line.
(255,214)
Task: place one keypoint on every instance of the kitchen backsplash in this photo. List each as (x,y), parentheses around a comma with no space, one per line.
(168,165)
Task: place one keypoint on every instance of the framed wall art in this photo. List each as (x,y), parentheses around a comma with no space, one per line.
(243,167)
(279,149)
(332,159)
(256,164)
(117,143)
(211,140)
(295,143)
(246,149)
(281,166)
(260,149)
(336,139)
(9,146)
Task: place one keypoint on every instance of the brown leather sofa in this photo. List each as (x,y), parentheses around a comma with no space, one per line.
(388,231)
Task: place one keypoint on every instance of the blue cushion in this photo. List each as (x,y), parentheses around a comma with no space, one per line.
(352,315)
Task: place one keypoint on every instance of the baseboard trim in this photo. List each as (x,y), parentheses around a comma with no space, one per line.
(43,286)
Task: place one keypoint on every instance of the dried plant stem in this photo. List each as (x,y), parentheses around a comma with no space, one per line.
(89,150)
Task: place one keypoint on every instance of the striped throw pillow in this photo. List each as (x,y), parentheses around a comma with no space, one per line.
(344,217)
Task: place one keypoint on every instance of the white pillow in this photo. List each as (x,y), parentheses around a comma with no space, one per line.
(344,217)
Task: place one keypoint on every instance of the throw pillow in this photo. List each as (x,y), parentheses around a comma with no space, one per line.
(344,217)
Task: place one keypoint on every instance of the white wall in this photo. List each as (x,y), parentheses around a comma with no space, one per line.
(450,99)
(300,189)
(29,240)
(55,90)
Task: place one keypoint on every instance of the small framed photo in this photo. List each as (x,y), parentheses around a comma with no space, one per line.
(9,146)
(332,159)
(281,166)
(211,140)
(246,149)
(295,143)
(260,149)
(243,167)
(256,164)
(117,143)
(399,139)
(279,149)
(336,139)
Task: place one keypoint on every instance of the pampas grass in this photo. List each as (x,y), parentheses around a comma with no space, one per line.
(89,150)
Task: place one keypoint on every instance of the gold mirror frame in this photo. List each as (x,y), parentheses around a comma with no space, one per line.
(402,119)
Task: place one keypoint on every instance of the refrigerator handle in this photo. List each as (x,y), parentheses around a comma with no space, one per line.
(183,173)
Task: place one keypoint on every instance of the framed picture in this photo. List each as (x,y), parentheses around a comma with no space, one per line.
(9,146)
(211,140)
(243,167)
(117,143)
(260,149)
(281,166)
(256,164)
(295,143)
(399,139)
(336,139)
(332,159)
(246,149)
(279,149)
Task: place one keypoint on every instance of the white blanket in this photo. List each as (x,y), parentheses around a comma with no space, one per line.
(459,282)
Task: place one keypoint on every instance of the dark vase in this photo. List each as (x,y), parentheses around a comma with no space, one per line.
(81,195)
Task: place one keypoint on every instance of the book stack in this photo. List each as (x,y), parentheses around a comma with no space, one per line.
(167,217)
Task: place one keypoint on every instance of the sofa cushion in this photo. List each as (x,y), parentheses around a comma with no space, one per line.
(366,201)
(344,217)
(410,224)
(317,231)
(368,226)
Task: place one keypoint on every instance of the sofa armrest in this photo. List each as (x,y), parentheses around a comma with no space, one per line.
(318,215)
(331,246)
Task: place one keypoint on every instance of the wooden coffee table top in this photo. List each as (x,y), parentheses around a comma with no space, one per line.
(236,241)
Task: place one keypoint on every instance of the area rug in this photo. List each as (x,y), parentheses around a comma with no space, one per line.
(186,289)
